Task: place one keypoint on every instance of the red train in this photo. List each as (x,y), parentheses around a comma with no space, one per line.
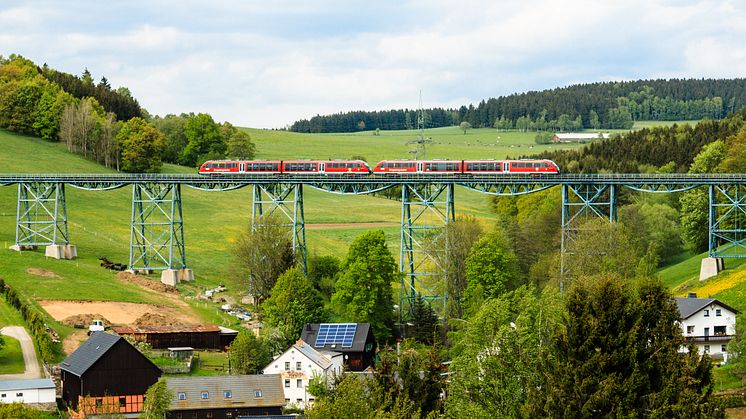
(525,166)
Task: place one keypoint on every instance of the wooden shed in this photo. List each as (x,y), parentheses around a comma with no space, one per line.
(207,336)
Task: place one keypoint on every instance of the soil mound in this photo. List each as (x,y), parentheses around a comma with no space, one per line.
(146,282)
(153,319)
(84,320)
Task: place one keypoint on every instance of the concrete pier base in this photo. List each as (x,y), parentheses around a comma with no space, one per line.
(140,271)
(174,276)
(710,267)
(61,251)
(21,248)
(170,277)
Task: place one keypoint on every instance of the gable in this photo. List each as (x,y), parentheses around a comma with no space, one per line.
(691,306)
(89,352)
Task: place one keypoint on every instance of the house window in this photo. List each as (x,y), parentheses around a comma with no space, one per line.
(719,330)
(98,403)
(19,394)
(723,348)
(3,395)
(205,395)
(227,394)
(122,401)
(287,366)
(287,383)
(287,401)
(707,313)
(707,349)
(299,400)
(689,330)
(181,396)
(297,366)
(257,393)
(717,312)
(299,383)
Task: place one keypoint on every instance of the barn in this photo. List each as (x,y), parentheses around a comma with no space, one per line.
(207,336)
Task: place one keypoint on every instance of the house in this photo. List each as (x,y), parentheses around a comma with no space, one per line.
(574,137)
(36,391)
(106,375)
(708,323)
(207,336)
(354,340)
(227,396)
(298,365)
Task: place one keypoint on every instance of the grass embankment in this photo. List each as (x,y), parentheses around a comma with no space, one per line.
(11,357)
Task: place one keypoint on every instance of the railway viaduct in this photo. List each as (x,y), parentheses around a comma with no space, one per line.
(427,206)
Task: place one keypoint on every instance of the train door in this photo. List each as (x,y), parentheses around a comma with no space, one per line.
(321,168)
(419,167)
(242,167)
(506,167)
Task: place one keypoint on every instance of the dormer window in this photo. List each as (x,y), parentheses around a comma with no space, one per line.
(205,395)
(257,393)
(227,394)
(181,396)
(707,313)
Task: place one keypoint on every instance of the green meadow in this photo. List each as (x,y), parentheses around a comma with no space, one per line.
(99,221)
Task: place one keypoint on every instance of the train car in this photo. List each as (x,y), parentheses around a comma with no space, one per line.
(227,167)
(533,166)
(510,166)
(419,166)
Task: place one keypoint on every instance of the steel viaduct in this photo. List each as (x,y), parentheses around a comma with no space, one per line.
(427,206)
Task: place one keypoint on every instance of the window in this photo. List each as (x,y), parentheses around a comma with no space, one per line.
(689,330)
(227,394)
(3,395)
(19,394)
(287,383)
(287,366)
(717,312)
(707,349)
(205,395)
(297,366)
(723,348)
(257,393)
(299,383)
(299,400)
(707,313)
(719,330)
(97,402)
(287,401)
(181,396)
(122,401)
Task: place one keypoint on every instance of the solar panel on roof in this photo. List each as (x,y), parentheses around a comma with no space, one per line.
(336,334)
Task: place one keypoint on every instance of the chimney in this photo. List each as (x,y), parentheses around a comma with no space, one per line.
(692,295)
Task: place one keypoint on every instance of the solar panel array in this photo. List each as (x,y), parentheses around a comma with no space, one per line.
(336,334)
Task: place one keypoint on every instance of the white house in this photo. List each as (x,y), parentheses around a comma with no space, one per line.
(708,323)
(298,365)
(33,391)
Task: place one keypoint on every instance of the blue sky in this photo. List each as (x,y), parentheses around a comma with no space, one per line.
(266,63)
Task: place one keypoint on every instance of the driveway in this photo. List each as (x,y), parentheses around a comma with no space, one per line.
(29,354)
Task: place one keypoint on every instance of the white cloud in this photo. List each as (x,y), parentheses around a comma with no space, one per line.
(266,64)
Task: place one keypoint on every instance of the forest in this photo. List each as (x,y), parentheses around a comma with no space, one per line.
(594,105)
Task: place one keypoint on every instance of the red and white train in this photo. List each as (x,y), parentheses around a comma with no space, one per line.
(525,166)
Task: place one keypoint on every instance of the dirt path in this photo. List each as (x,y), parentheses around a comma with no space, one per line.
(29,354)
(351,225)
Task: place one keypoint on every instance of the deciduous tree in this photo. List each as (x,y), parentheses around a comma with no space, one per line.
(292,303)
(142,145)
(157,401)
(364,291)
(248,354)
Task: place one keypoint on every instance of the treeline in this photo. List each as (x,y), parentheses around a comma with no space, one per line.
(385,120)
(118,101)
(106,125)
(648,149)
(597,105)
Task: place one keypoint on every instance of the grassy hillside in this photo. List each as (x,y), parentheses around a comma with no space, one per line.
(99,221)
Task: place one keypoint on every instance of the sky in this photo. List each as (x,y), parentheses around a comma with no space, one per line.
(268,63)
